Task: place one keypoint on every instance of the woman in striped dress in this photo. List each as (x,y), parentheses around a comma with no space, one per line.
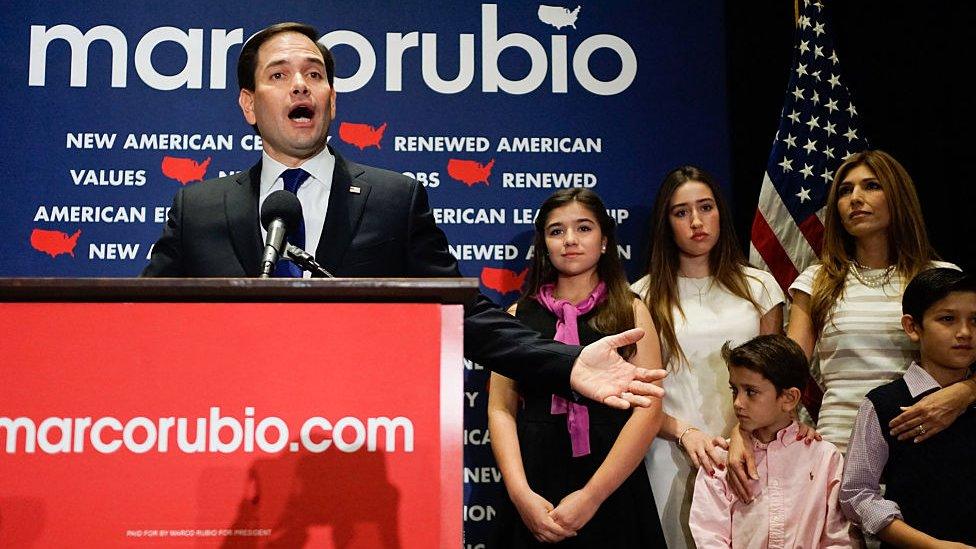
(847,309)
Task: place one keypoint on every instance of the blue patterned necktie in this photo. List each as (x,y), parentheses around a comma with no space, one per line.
(293,179)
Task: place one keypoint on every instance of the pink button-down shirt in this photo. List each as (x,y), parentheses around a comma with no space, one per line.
(795,502)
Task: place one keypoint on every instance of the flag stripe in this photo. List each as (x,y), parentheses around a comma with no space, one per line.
(769,248)
(782,224)
(755,258)
(818,128)
(813,230)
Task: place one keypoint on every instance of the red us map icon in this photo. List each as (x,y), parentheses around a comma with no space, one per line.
(502,281)
(469,172)
(184,170)
(361,135)
(54,243)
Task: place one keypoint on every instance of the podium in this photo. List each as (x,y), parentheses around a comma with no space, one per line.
(231,412)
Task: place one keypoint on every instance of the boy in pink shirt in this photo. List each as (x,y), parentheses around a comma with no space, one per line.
(796,495)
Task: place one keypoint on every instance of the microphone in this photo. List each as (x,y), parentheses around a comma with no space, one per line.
(281,215)
(305,260)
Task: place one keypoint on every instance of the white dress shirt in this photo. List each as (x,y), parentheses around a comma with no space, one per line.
(313,194)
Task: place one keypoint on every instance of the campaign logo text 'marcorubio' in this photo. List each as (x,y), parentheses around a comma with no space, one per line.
(552,60)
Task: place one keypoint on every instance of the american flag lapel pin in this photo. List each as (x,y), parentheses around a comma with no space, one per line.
(355,190)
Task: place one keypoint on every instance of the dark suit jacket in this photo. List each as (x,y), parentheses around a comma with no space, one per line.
(384,230)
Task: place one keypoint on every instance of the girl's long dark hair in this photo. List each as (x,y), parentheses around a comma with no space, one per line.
(616,314)
(726,261)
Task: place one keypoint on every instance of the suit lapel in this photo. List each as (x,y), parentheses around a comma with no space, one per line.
(241,207)
(346,205)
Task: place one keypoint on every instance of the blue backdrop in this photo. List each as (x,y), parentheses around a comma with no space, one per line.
(111,106)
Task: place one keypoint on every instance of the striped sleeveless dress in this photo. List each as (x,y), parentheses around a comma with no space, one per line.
(861,347)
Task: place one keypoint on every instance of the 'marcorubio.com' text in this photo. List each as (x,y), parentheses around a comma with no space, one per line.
(214,433)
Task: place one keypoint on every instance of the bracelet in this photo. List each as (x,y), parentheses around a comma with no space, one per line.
(683,433)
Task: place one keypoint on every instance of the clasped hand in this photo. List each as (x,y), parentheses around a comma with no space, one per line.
(550,524)
(536,513)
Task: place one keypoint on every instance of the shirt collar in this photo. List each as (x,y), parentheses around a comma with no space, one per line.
(785,436)
(919,381)
(320,167)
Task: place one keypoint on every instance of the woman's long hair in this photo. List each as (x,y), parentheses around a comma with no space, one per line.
(616,314)
(725,259)
(908,242)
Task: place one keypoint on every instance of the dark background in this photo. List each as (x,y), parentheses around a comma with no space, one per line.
(905,64)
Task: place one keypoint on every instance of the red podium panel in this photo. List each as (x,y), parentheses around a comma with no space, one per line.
(231,424)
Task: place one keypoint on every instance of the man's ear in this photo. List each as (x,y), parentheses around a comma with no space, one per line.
(789,398)
(332,102)
(246,101)
(911,328)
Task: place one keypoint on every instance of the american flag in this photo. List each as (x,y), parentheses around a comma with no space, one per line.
(818,129)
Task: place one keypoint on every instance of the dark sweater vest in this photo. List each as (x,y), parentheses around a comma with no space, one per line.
(933,482)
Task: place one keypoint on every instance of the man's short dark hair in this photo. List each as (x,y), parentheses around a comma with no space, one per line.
(932,285)
(246,63)
(775,357)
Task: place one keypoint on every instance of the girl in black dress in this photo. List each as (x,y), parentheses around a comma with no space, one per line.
(573,468)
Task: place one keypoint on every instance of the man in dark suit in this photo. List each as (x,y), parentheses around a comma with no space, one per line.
(361,221)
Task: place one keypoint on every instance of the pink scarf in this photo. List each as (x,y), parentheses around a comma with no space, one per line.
(577,415)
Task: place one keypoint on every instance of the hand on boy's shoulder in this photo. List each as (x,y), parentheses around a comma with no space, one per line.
(721,471)
(717,483)
(820,460)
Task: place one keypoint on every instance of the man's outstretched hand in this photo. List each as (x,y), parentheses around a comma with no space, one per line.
(600,374)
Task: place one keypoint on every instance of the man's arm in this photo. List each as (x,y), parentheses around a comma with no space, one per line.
(499,342)
(492,337)
(507,346)
(596,371)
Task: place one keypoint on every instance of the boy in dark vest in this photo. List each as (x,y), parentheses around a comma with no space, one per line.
(930,494)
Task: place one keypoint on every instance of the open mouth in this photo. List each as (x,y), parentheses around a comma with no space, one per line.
(301,113)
